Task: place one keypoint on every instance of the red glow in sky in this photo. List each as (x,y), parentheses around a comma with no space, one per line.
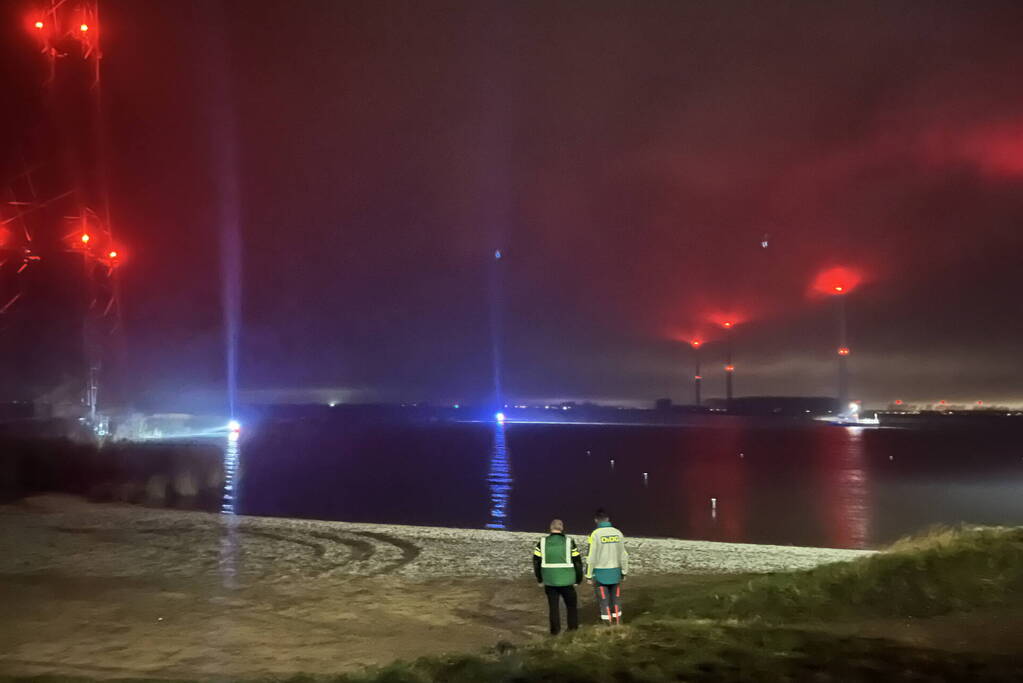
(837,280)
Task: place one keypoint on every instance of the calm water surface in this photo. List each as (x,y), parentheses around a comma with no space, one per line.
(801,484)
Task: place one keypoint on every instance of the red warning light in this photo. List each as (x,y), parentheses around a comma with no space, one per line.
(843,351)
(941,402)
(898,401)
(696,343)
(727,324)
(835,281)
(697,376)
(85,238)
(729,368)
(112,254)
(980,403)
(39,25)
(83,28)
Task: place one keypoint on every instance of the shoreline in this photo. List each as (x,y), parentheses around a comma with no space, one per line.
(315,547)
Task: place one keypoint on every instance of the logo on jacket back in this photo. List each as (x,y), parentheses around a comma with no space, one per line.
(609,539)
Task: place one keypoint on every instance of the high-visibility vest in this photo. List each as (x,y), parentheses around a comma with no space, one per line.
(556,553)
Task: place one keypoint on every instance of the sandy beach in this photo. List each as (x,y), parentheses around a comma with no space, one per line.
(116,590)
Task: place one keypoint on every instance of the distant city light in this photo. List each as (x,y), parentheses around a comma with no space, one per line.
(500,418)
(854,407)
(332,403)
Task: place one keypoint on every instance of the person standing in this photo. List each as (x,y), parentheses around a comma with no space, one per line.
(607,565)
(558,566)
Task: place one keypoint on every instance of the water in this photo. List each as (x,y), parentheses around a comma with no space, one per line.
(804,485)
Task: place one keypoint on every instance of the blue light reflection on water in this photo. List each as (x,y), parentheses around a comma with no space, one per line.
(499,479)
(229,537)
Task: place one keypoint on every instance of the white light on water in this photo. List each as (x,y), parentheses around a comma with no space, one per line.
(500,418)
(234,426)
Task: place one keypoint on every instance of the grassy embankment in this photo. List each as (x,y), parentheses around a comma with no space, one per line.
(789,626)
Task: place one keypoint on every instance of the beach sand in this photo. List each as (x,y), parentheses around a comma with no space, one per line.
(116,590)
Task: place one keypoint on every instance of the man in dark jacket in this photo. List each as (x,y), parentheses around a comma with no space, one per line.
(558,565)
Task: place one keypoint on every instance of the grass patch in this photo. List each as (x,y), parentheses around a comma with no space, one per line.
(944,571)
(656,653)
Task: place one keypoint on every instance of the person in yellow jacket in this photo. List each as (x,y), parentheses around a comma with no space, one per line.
(607,565)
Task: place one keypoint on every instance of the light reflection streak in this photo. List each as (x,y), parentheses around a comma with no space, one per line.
(229,537)
(499,479)
(847,495)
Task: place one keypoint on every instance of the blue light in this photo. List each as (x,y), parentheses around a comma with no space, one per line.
(500,418)
(497,254)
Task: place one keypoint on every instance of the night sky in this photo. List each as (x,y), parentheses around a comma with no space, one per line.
(627,158)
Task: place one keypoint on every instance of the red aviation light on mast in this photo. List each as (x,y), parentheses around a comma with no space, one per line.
(836,281)
(729,368)
(696,343)
(843,351)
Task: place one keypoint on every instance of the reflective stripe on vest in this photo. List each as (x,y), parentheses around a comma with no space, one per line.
(556,565)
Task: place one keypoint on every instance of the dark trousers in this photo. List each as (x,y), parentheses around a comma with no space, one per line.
(554,595)
(609,602)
